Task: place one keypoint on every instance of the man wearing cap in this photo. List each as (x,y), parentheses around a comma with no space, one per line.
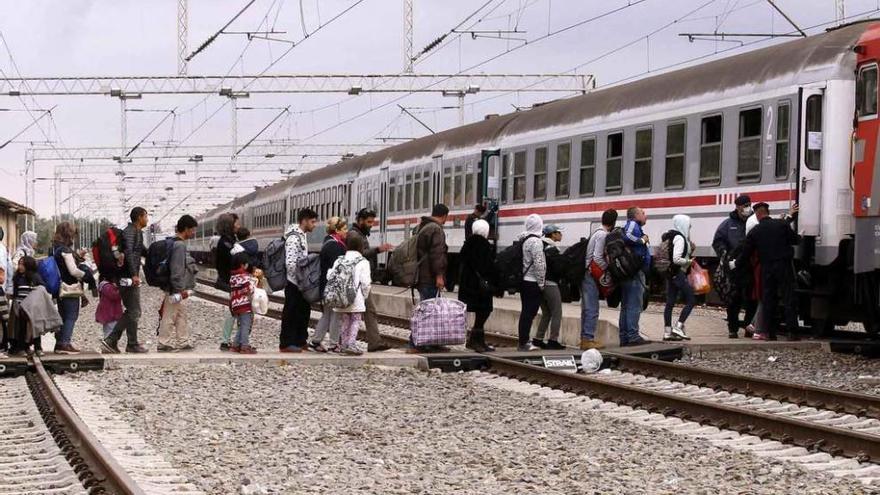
(727,244)
(551,297)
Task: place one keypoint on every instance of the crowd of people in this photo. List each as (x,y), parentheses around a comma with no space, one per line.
(754,275)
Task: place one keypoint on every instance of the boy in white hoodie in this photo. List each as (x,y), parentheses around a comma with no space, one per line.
(677,283)
(354,313)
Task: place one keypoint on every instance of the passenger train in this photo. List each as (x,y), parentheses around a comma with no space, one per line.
(796,122)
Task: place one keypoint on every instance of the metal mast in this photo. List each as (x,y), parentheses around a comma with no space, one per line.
(182,31)
(408,36)
(840,11)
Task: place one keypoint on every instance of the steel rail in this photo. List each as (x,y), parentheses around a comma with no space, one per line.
(796,393)
(784,429)
(109,473)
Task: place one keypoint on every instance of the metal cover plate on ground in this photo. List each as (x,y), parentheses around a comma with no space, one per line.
(14,366)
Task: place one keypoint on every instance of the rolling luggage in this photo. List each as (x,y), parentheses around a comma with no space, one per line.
(439,321)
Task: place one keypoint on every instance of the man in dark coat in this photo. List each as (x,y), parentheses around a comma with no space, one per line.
(364,221)
(478,213)
(727,244)
(431,251)
(774,240)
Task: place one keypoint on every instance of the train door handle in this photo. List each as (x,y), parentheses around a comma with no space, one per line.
(804,181)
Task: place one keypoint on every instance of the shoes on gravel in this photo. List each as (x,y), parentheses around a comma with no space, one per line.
(351,351)
(317,347)
(553,344)
(759,336)
(108,348)
(246,349)
(234,348)
(224,347)
(291,348)
(135,349)
(165,348)
(732,335)
(378,347)
(590,344)
(65,349)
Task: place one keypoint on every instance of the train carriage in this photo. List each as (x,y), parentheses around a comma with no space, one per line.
(796,122)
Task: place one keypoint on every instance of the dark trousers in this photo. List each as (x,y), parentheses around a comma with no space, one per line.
(741,300)
(294,318)
(777,280)
(131,300)
(676,285)
(530,299)
(480,318)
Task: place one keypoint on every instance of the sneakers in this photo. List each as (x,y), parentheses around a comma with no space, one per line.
(678,331)
(291,348)
(759,336)
(750,331)
(554,345)
(135,349)
(539,344)
(590,344)
(527,348)
(351,351)
(65,349)
(108,348)
(317,347)
(732,334)
(246,349)
(224,347)
(668,336)
(378,347)
(639,341)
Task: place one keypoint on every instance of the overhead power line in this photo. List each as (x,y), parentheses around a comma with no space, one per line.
(218,33)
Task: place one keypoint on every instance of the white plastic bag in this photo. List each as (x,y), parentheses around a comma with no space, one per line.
(591,361)
(260,301)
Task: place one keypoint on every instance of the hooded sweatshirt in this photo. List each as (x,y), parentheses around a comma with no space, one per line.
(681,244)
(534,264)
(295,247)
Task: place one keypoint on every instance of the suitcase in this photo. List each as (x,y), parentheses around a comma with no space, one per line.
(439,321)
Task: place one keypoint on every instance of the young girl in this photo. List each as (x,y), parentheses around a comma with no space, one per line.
(354,313)
(26,279)
(109,309)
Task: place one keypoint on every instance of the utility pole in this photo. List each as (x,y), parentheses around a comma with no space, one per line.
(408,36)
(840,11)
(182,35)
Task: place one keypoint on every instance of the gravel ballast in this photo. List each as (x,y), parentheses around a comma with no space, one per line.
(326,429)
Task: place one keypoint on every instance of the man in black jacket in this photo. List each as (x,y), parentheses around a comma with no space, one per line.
(727,242)
(133,247)
(364,221)
(774,240)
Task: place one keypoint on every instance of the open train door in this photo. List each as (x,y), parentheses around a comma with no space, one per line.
(809,173)
(490,187)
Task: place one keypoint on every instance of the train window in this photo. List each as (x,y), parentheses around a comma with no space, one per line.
(426,189)
(563,169)
(614,162)
(710,150)
(417,191)
(458,192)
(644,146)
(539,188)
(783,131)
(470,197)
(519,176)
(392,196)
(866,92)
(407,198)
(749,151)
(400,193)
(587,179)
(676,139)
(813,156)
(447,186)
(505,171)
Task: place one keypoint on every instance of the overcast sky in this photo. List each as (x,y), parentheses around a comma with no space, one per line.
(128,37)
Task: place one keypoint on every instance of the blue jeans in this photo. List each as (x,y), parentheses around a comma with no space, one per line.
(632,292)
(589,307)
(69,309)
(243,336)
(674,286)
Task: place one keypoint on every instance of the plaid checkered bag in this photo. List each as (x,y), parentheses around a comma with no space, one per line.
(439,321)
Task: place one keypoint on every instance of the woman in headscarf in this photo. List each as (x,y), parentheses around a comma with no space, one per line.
(27,246)
(478,282)
(677,283)
(534,269)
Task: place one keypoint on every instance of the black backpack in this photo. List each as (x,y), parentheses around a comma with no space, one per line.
(509,265)
(623,264)
(156,269)
(576,257)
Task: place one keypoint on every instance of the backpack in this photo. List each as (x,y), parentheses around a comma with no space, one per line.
(509,265)
(663,254)
(403,265)
(104,249)
(156,269)
(275,264)
(341,290)
(51,274)
(623,264)
(723,279)
(308,277)
(576,257)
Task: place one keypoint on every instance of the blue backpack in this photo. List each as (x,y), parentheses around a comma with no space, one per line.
(48,269)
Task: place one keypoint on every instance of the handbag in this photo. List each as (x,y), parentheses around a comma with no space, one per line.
(71,290)
(483,285)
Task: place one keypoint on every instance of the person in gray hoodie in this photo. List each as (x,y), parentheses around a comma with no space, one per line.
(173,331)
(534,271)
(677,283)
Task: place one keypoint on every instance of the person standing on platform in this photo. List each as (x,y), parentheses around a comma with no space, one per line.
(681,260)
(478,213)
(334,246)
(727,244)
(534,269)
(295,316)
(133,251)
(633,290)
(361,281)
(71,275)
(173,327)
(227,226)
(431,251)
(364,221)
(551,297)
(596,266)
(479,280)
(241,289)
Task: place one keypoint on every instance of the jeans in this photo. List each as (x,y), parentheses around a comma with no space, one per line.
(551,313)
(632,292)
(350,324)
(530,299)
(676,285)
(69,309)
(589,307)
(294,318)
(131,299)
(243,336)
(330,320)
(108,328)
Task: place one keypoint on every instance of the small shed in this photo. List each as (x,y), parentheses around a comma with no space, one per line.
(9,212)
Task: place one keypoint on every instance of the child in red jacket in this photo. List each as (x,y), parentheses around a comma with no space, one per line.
(109,309)
(241,284)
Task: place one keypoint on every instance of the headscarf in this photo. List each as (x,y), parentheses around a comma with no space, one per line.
(534,225)
(481,228)
(26,243)
(751,222)
(682,223)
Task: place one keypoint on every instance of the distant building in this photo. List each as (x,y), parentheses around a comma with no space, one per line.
(9,213)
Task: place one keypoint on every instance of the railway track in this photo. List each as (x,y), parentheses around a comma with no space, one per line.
(815,418)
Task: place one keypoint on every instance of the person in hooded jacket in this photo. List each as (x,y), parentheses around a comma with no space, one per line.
(534,269)
(27,245)
(334,246)
(677,283)
(478,282)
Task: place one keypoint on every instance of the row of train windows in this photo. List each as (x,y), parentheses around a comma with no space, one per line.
(410,190)
(269,214)
(748,157)
(327,202)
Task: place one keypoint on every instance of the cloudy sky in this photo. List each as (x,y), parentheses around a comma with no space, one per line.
(624,39)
